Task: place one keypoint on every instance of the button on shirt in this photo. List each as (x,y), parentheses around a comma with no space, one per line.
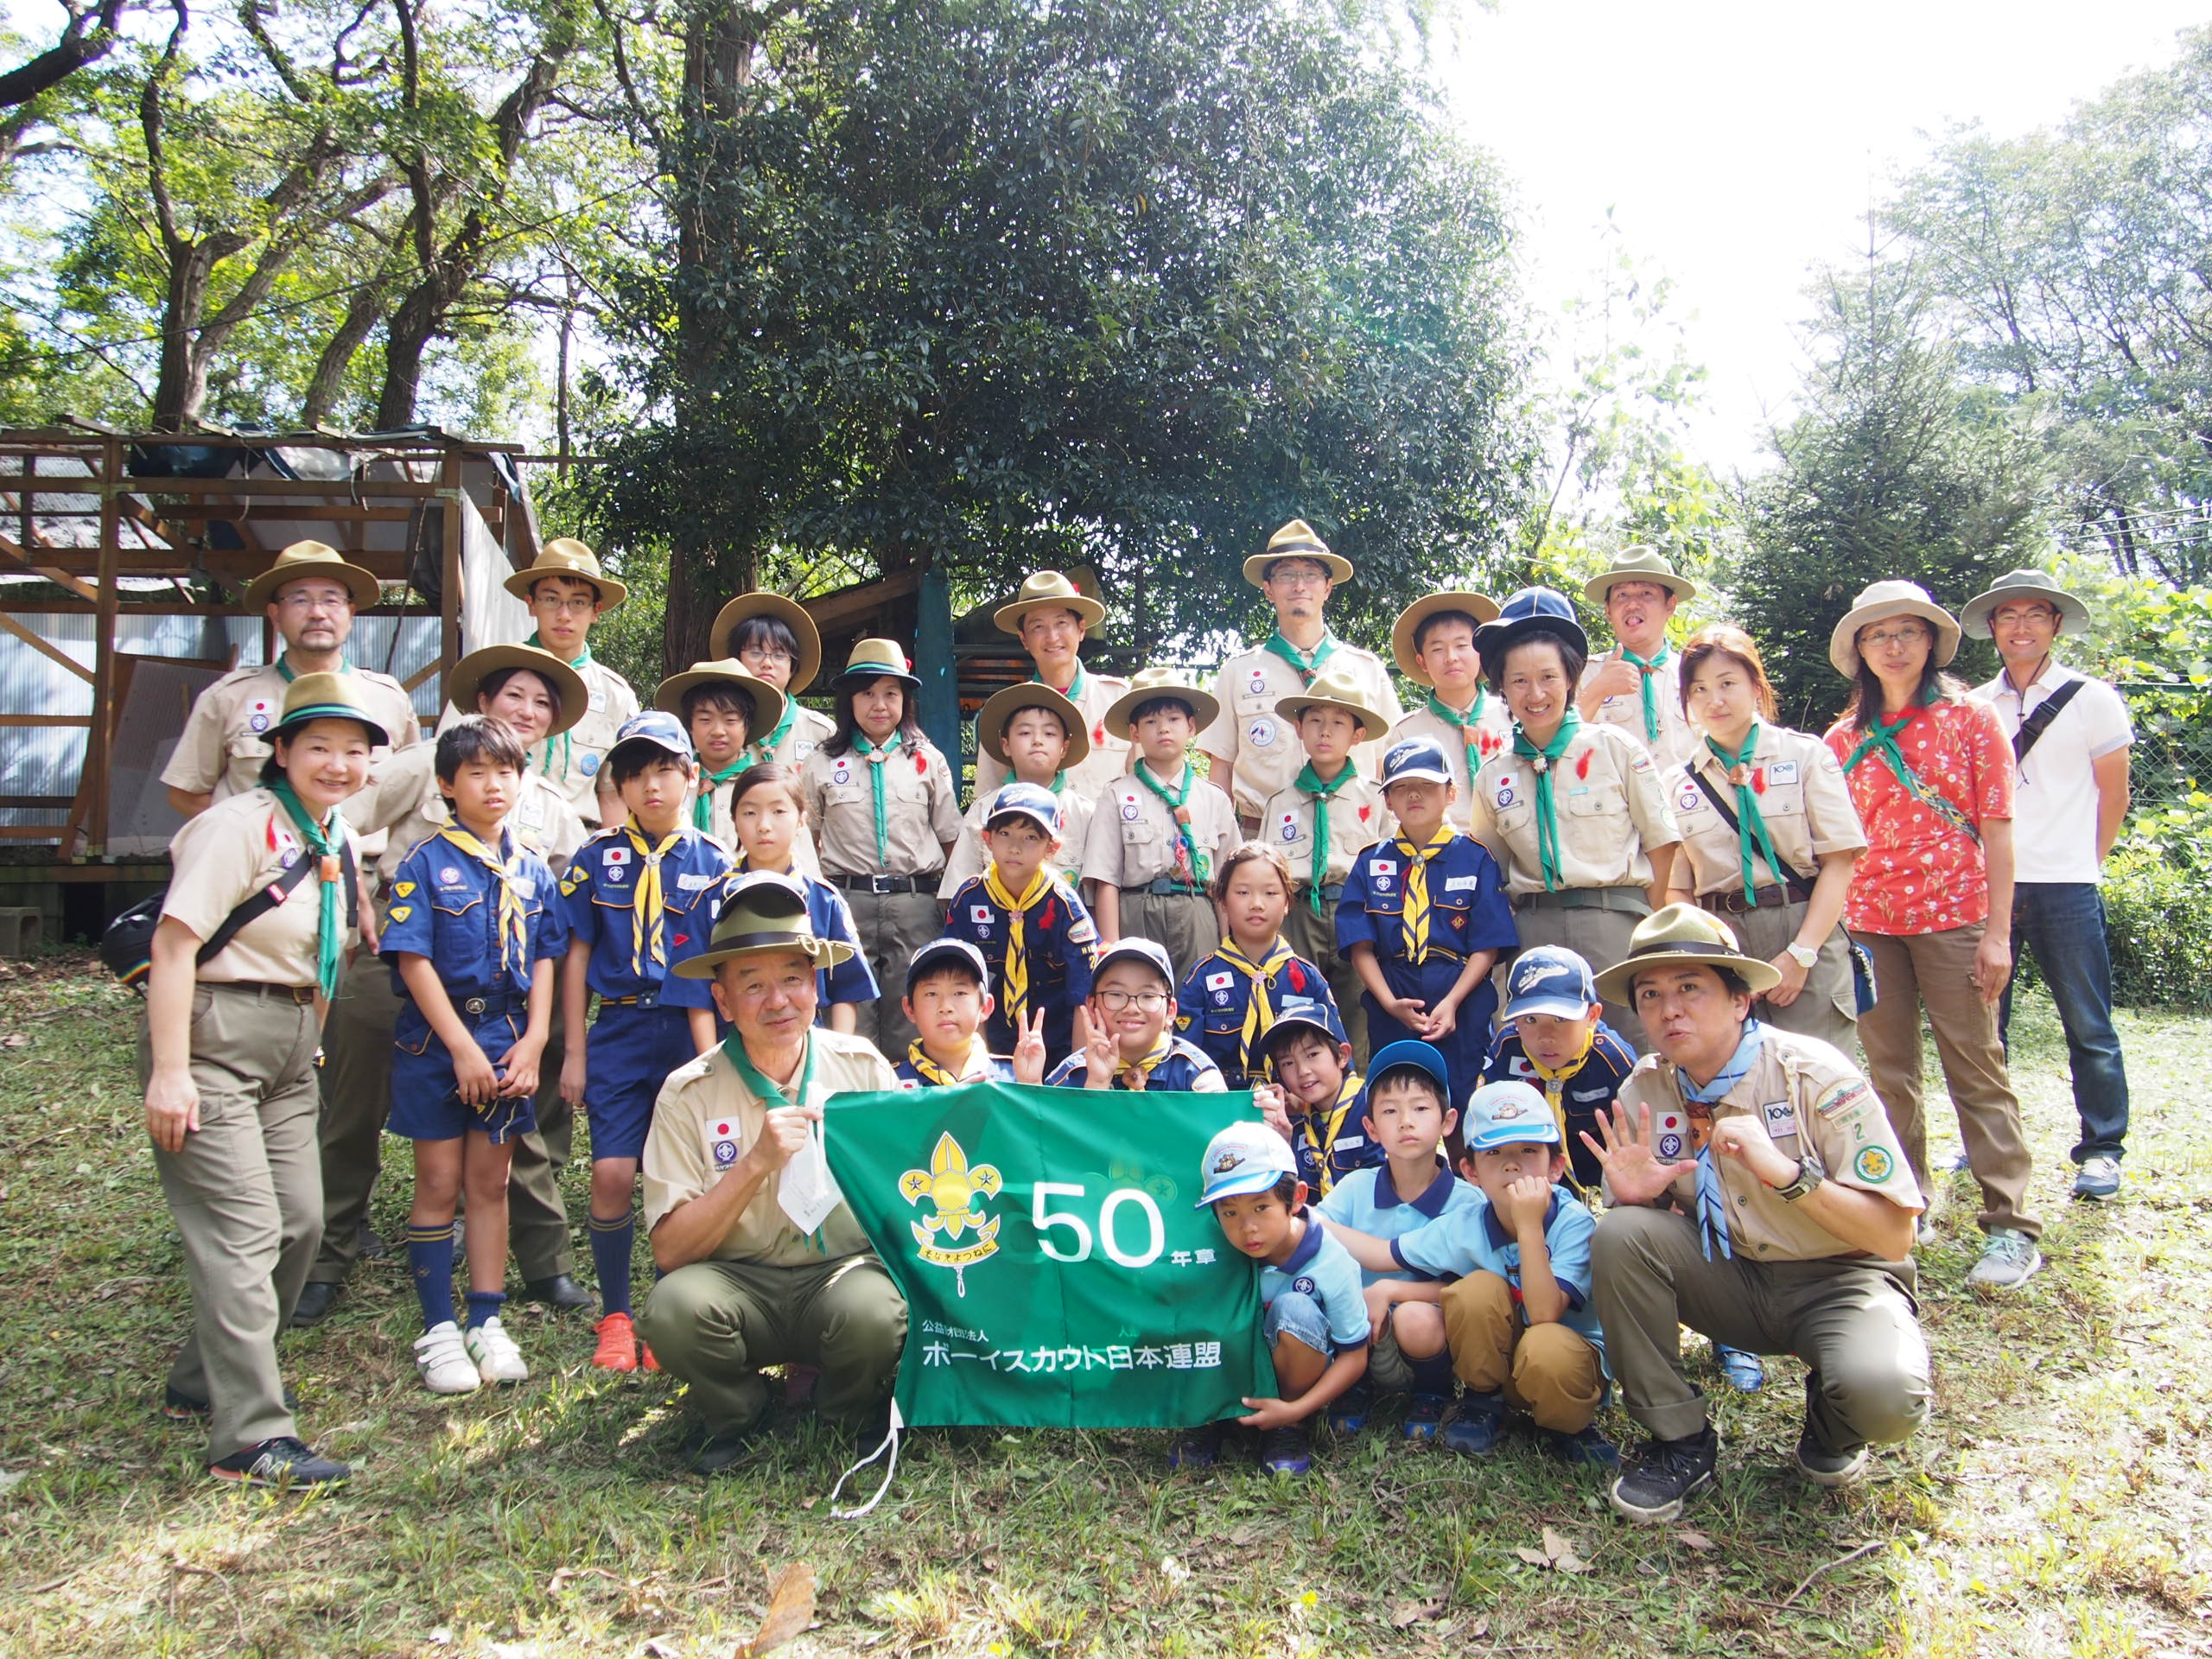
(1605,792)
(970,853)
(1322,1268)
(1134,834)
(1472,1240)
(236,847)
(921,812)
(1468,910)
(1357,819)
(227,734)
(1260,743)
(445,906)
(598,897)
(706,1120)
(1921,872)
(1493,735)
(2054,793)
(1367,1201)
(1625,711)
(1107,760)
(1060,941)
(1803,800)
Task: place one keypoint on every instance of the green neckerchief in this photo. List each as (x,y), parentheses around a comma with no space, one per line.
(324,844)
(288,673)
(1751,826)
(1310,783)
(1468,723)
(1883,740)
(1307,666)
(703,808)
(1074,693)
(764,1091)
(1546,804)
(1176,801)
(567,749)
(768,744)
(865,749)
(1650,671)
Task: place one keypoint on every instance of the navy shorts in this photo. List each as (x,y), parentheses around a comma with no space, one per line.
(627,1057)
(425,1102)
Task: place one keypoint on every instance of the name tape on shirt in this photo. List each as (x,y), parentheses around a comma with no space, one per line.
(1462,883)
(690,883)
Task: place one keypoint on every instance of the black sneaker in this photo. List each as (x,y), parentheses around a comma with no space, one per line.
(1425,1415)
(1199,1448)
(1815,1461)
(1348,1412)
(557,1291)
(1475,1429)
(317,1298)
(1288,1450)
(1586,1447)
(709,1450)
(282,1462)
(181,1408)
(1664,1475)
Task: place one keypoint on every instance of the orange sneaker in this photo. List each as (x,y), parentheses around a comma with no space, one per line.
(651,1363)
(617,1343)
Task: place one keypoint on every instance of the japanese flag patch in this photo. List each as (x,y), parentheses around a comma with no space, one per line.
(1669,1135)
(1290,826)
(618,854)
(980,914)
(721,1141)
(1220,982)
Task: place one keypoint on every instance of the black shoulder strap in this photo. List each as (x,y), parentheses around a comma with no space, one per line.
(2037,724)
(257,905)
(1728,816)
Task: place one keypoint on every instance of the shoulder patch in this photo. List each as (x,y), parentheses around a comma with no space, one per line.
(1842,1094)
(1874,1164)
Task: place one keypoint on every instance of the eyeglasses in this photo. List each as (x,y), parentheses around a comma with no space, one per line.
(1888,637)
(766,657)
(2010,615)
(298,601)
(1299,576)
(572,605)
(1149,1002)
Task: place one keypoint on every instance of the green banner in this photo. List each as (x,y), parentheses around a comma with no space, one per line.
(1055,1271)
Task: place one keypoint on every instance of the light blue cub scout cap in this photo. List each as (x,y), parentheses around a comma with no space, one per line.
(1417,757)
(1549,979)
(1243,1158)
(1506,1115)
(659,729)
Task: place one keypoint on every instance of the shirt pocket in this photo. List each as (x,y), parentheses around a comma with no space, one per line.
(458,921)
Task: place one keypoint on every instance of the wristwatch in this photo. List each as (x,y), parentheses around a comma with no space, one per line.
(1804,955)
(1810,1174)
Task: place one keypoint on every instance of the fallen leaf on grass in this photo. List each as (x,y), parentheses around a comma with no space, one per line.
(1696,1541)
(1408,1613)
(790,1610)
(1558,1554)
(13,1039)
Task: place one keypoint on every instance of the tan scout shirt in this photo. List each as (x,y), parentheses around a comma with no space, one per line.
(706,1119)
(1133,832)
(1676,734)
(1494,726)
(1799,1087)
(918,800)
(225,736)
(1357,819)
(723,831)
(406,801)
(571,759)
(1802,797)
(970,855)
(235,848)
(1260,743)
(1605,791)
(1109,755)
(809,731)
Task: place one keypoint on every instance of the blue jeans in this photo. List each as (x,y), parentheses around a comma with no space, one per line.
(1293,1313)
(2064,924)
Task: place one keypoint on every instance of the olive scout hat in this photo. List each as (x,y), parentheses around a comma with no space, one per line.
(1004,704)
(1683,936)
(303,559)
(762,914)
(326,696)
(567,556)
(1639,564)
(2023,584)
(767,702)
(1878,603)
(1405,633)
(1296,540)
(1152,684)
(467,676)
(877,659)
(1332,689)
(792,614)
(1047,590)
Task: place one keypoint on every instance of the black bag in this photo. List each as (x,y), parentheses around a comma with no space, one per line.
(127,943)
(2033,728)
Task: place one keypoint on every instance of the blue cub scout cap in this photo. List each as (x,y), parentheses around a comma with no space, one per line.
(1303,1014)
(661,729)
(1549,979)
(1417,757)
(1507,1114)
(1243,1158)
(1410,1052)
(1030,801)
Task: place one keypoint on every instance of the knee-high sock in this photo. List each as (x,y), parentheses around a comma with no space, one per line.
(611,1243)
(429,1259)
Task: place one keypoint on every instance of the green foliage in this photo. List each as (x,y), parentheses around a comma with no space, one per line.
(2158,918)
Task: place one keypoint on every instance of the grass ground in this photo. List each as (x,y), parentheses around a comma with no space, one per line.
(2061,1503)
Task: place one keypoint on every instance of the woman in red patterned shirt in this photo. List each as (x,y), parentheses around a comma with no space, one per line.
(1931,899)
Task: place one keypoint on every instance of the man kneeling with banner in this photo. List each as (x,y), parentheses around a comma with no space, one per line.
(764,1264)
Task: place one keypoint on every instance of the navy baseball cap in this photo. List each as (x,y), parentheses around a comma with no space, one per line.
(657,728)
(1031,801)
(1417,757)
(1549,979)
(1411,1052)
(1507,1114)
(1303,1014)
(939,953)
(1532,608)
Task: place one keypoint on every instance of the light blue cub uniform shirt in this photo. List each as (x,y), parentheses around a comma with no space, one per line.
(1473,1241)
(1366,1202)
(1322,1268)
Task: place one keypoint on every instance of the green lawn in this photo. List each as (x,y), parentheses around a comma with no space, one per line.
(2060,1504)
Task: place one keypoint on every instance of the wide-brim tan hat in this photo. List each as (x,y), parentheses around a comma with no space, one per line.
(468,674)
(1151,683)
(877,659)
(1639,563)
(1296,540)
(1406,629)
(1886,599)
(762,914)
(2024,584)
(1047,590)
(1334,690)
(567,556)
(1003,705)
(326,696)
(1683,936)
(767,702)
(788,612)
(303,559)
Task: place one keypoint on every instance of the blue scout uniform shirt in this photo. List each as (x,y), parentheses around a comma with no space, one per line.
(1179,1074)
(1472,1240)
(1468,912)
(1329,1144)
(1324,1270)
(1061,942)
(598,893)
(1367,1202)
(445,906)
(1214,996)
(1589,1091)
(850,981)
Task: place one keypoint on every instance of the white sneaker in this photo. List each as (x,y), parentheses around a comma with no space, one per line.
(2009,1258)
(443,1361)
(2099,1178)
(497,1359)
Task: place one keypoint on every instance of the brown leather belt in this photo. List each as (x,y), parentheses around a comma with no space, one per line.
(1731,901)
(300,995)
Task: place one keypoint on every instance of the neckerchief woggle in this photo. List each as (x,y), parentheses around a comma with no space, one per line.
(514,922)
(1015,977)
(1318,1142)
(1176,801)
(1259,1013)
(878,756)
(1648,669)
(1307,665)
(648,901)
(1751,838)
(1469,725)
(702,804)
(1323,791)
(1419,907)
(1712,1196)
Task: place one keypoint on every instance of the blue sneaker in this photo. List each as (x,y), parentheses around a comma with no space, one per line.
(1348,1412)
(1425,1415)
(1199,1448)
(1746,1373)
(1588,1448)
(1475,1429)
(1286,1451)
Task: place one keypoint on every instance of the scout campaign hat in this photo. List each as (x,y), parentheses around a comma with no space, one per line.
(567,556)
(1243,1158)
(1683,936)
(1639,564)
(2024,584)
(314,559)
(325,696)
(1003,705)
(468,674)
(1044,590)
(1549,979)
(767,702)
(877,660)
(1032,801)
(790,614)
(1884,599)
(1405,633)
(1529,609)
(762,914)
(1296,540)
(1331,690)
(1507,1114)
(1152,683)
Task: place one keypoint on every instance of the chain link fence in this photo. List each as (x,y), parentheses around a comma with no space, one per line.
(2158,881)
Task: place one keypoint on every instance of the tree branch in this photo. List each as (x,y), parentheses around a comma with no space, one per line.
(78,46)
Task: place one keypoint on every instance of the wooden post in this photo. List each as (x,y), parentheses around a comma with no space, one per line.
(98,744)
(449,492)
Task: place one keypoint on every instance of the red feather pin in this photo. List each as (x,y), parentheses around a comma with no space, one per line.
(1759,780)
(1582,766)
(1366,813)
(921,765)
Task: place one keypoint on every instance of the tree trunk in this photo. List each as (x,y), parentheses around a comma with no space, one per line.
(414,324)
(181,387)
(362,314)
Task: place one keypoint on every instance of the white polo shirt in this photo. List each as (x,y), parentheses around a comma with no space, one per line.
(2054,806)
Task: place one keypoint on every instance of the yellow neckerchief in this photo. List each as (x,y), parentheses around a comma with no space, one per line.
(976,1065)
(1015,977)
(647,900)
(1417,904)
(514,921)
(1259,1013)
(1556,1090)
(1332,1123)
(1143,1069)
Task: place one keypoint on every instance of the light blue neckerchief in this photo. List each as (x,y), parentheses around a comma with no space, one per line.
(1711,1199)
